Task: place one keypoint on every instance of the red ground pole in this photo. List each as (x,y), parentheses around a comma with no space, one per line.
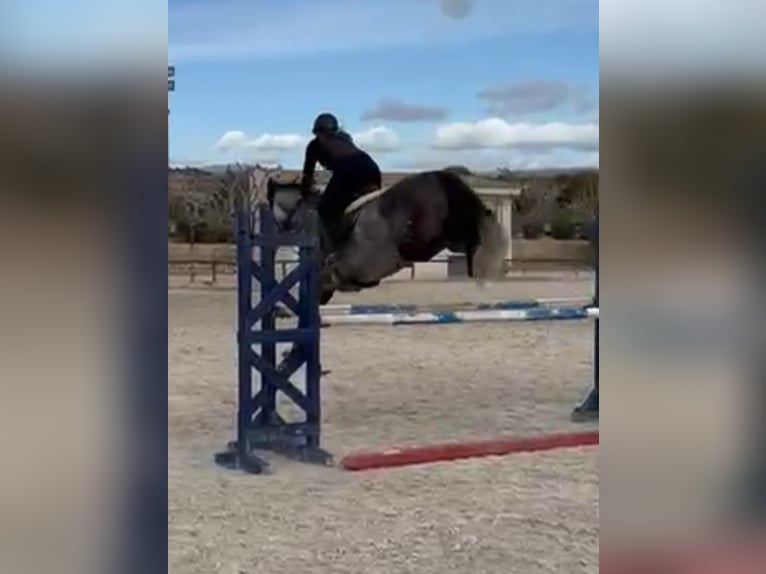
(367,460)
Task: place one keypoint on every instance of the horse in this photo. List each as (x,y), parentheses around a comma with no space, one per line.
(387,230)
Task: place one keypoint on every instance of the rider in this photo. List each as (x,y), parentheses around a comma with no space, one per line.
(354,172)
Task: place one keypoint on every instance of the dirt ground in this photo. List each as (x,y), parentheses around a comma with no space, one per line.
(522,514)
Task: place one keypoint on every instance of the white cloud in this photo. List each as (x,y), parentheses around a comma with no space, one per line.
(497,133)
(277,141)
(233,140)
(378,138)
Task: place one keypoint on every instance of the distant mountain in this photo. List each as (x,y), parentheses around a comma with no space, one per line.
(544,172)
(219,168)
(208,177)
(211,169)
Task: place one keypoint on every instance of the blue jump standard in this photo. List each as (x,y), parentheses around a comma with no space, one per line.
(259,424)
(587,410)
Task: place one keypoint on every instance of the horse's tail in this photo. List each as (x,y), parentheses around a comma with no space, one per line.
(489,257)
(485,240)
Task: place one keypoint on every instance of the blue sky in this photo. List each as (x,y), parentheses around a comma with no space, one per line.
(420,83)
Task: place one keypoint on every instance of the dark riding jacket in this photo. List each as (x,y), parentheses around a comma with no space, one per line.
(330,151)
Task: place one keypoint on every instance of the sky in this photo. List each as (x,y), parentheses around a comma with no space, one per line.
(420,84)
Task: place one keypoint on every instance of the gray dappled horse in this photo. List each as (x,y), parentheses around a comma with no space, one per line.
(386,230)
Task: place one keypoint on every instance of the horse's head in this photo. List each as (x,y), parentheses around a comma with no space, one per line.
(288,205)
(259,177)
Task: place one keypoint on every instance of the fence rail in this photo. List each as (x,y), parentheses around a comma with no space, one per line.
(213,268)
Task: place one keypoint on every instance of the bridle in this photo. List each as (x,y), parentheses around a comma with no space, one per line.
(300,204)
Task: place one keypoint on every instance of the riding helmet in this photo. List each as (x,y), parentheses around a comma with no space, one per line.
(325,123)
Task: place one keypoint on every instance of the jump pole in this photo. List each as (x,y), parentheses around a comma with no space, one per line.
(380,308)
(395,457)
(451,317)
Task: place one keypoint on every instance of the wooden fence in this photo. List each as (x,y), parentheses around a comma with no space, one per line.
(216,260)
(213,269)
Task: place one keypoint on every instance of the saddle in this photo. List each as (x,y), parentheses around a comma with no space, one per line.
(351,213)
(367,195)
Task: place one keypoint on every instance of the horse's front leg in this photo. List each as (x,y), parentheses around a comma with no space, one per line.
(295,353)
(325,294)
(329,276)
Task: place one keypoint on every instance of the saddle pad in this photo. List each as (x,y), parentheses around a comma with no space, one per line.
(364,200)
